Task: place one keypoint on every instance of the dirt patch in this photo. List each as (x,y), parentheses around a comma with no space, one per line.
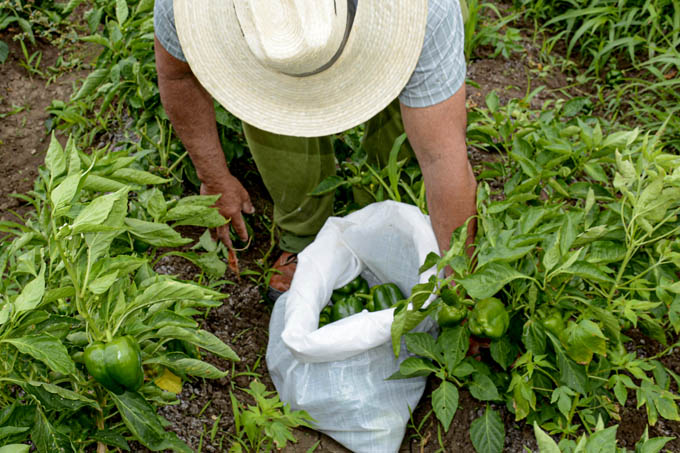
(23,100)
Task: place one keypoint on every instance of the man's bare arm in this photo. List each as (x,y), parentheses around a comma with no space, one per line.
(437,135)
(190,109)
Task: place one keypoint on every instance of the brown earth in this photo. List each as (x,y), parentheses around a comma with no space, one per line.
(24,99)
(243,319)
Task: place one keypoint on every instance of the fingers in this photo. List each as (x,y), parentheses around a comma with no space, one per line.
(223,235)
(248,207)
(239,227)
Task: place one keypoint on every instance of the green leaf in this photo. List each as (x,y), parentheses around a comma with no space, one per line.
(585,340)
(94,216)
(208,262)
(92,82)
(155,204)
(54,397)
(445,403)
(430,261)
(620,139)
(174,290)
(111,438)
(4,53)
(140,177)
(587,271)
(184,366)
(504,352)
(652,328)
(156,234)
(492,102)
(121,11)
(603,441)
(562,396)
(102,284)
(145,425)
(534,338)
(15,448)
(553,253)
(572,374)
(546,444)
(200,338)
(488,433)
(605,252)
(490,279)
(328,185)
(674,314)
(406,320)
(483,388)
(414,367)
(610,322)
(55,159)
(47,439)
(453,344)
(31,295)
(392,165)
(26,28)
(647,445)
(96,183)
(422,344)
(63,194)
(47,349)
(204,216)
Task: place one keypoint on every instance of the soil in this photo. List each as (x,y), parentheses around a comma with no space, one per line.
(23,137)
(242,321)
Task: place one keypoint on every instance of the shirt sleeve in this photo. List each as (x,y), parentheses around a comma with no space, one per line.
(440,71)
(164,27)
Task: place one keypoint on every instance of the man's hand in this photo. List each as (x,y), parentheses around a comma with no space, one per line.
(234,201)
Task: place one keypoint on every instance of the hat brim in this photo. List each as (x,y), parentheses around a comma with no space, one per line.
(378,59)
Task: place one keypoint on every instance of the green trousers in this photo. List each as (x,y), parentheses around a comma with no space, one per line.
(291,167)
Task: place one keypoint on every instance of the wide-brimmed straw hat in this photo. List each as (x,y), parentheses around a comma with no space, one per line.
(302,67)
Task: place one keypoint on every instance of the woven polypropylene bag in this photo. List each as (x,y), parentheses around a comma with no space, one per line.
(338,373)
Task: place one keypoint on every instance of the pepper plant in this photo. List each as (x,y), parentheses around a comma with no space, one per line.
(578,238)
(77,284)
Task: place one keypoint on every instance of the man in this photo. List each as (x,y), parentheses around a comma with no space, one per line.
(306,69)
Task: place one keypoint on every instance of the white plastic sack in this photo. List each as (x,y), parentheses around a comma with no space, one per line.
(337,373)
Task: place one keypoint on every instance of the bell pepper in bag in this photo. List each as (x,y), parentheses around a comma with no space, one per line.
(117,365)
(345,307)
(325,316)
(384,296)
(358,285)
(489,318)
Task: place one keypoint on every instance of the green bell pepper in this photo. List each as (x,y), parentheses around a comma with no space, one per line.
(489,318)
(325,316)
(554,323)
(117,365)
(452,311)
(384,296)
(358,285)
(348,306)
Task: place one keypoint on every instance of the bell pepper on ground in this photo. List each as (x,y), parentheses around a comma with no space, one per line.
(489,318)
(117,365)
(384,296)
(346,307)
